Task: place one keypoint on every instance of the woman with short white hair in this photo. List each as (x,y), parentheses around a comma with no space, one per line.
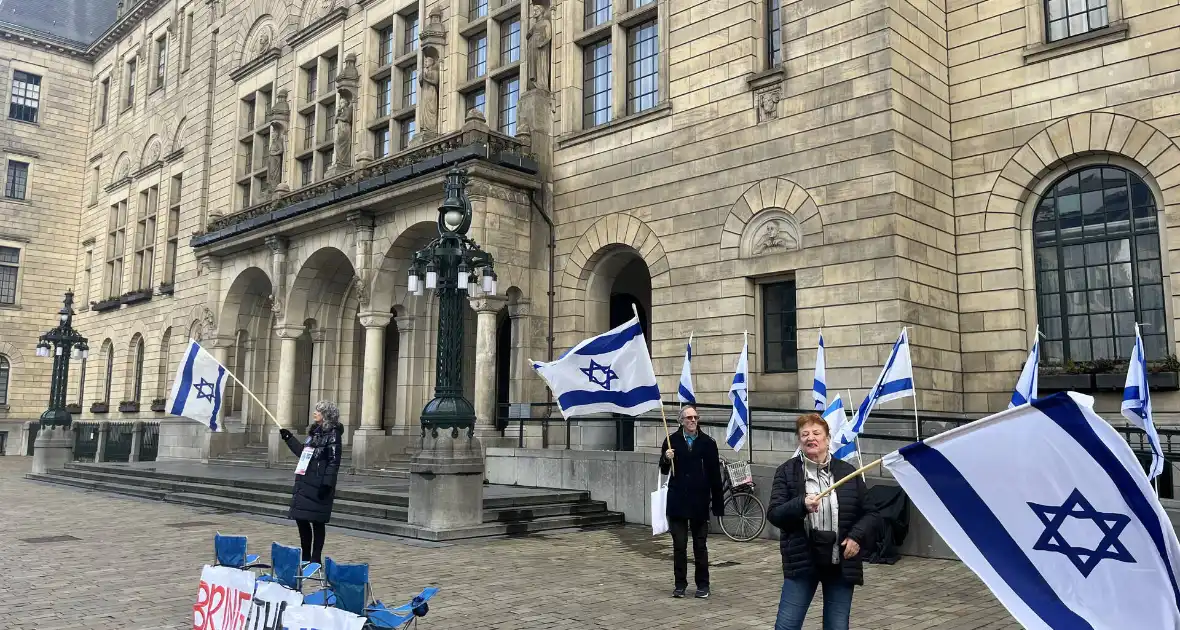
(315,477)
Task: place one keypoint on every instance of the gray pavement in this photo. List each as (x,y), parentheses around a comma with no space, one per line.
(134,564)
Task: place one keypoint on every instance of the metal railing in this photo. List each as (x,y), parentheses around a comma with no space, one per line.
(149,445)
(119,438)
(85,441)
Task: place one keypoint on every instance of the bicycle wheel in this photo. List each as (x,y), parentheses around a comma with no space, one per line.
(744,516)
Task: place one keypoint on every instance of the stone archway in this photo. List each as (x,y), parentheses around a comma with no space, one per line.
(245,323)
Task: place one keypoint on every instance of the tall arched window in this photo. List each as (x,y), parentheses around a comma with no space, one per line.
(5,372)
(109,349)
(137,367)
(1098,267)
(165,365)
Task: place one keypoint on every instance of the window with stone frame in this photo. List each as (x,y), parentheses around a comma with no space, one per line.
(5,377)
(406,130)
(104,97)
(510,40)
(508,98)
(494,50)
(478,9)
(623,67)
(165,364)
(9,275)
(24,102)
(109,350)
(116,243)
(596,84)
(188,40)
(317,109)
(87,276)
(1069,18)
(161,55)
(774,33)
(253,141)
(476,99)
(1098,266)
(137,370)
(395,81)
(143,264)
(305,171)
(129,72)
(477,55)
(16,181)
(643,66)
(95,183)
(173,230)
(779,330)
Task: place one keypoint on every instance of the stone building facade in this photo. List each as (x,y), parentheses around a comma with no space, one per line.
(255,174)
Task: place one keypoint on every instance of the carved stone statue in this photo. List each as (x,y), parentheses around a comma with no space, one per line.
(428,96)
(768,104)
(539,37)
(278,139)
(773,238)
(343,147)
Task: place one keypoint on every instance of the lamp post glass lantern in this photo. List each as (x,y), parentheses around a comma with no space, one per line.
(456,268)
(62,343)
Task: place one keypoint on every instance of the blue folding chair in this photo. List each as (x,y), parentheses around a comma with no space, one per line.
(230,551)
(349,588)
(381,616)
(287,569)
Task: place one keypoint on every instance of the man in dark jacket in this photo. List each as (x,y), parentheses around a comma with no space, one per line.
(692,460)
(315,478)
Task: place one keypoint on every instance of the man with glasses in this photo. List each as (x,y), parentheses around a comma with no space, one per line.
(694,486)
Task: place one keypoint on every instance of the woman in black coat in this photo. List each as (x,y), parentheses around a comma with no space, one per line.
(315,477)
(821,540)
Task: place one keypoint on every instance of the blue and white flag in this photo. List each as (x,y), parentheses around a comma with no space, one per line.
(684,391)
(896,381)
(1137,404)
(610,373)
(739,396)
(198,387)
(819,388)
(1026,386)
(1048,505)
(844,445)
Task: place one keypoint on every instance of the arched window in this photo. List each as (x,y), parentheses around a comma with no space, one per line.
(165,365)
(137,374)
(1098,267)
(5,372)
(109,349)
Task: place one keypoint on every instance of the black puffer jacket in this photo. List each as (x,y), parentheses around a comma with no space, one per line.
(695,485)
(315,489)
(787,513)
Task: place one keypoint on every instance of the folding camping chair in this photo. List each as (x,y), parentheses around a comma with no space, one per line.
(287,569)
(348,588)
(230,551)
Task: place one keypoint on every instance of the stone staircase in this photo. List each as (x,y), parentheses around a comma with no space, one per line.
(254,456)
(362,502)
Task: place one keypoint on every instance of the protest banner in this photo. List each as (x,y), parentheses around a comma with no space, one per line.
(304,617)
(223,599)
(270,602)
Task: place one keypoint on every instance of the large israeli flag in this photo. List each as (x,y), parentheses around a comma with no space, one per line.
(198,387)
(896,381)
(1049,506)
(1026,385)
(610,373)
(739,397)
(819,387)
(684,392)
(1137,404)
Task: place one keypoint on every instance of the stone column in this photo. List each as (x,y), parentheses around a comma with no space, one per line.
(53,449)
(136,441)
(522,335)
(104,431)
(369,444)
(486,309)
(408,382)
(288,337)
(318,369)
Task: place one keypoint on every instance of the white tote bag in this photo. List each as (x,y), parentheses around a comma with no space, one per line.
(659,508)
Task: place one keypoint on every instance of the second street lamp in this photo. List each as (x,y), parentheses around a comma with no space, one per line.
(62,343)
(453,265)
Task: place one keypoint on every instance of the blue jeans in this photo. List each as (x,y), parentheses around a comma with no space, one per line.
(797,596)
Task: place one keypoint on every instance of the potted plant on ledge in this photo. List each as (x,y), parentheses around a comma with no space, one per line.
(129,406)
(158,405)
(1107,375)
(100,407)
(74,409)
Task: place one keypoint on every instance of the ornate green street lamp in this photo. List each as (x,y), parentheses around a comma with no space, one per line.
(61,343)
(456,268)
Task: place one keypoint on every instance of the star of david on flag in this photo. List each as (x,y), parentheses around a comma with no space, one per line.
(610,373)
(1048,504)
(198,387)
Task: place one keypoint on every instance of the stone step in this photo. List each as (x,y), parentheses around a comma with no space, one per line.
(88,484)
(344,506)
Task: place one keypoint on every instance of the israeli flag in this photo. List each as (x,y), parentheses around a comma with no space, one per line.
(896,381)
(1137,404)
(739,396)
(1026,386)
(684,391)
(835,416)
(844,445)
(610,373)
(819,388)
(198,387)
(1048,505)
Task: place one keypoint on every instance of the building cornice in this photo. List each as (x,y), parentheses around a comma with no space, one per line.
(124,25)
(37,39)
(90,52)
(255,64)
(325,22)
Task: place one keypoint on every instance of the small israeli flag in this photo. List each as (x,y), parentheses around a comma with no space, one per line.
(1137,404)
(684,391)
(896,381)
(819,389)
(198,387)
(739,418)
(1026,386)
(844,445)
(610,373)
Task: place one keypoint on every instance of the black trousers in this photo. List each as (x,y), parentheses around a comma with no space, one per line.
(311,540)
(679,528)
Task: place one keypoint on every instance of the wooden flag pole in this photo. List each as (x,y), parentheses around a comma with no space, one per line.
(850,477)
(246,389)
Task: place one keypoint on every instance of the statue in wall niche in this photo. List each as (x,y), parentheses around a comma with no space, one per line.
(342,150)
(774,238)
(539,37)
(428,95)
(279,113)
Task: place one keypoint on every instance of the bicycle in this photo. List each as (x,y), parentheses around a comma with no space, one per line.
(744,516)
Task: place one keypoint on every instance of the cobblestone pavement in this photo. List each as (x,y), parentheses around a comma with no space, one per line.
(136,565)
